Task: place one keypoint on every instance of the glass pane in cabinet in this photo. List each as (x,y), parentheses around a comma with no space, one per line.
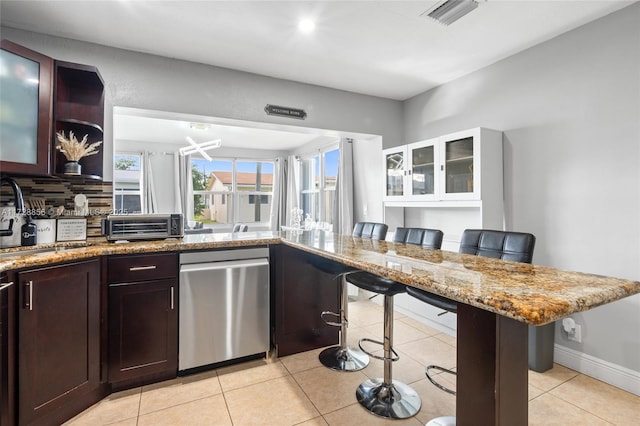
(422,171)
(459,165)
(395,172)
(18,108)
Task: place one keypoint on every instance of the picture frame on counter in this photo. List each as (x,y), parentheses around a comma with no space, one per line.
(72,229)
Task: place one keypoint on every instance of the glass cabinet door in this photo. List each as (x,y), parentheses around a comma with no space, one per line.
(25,110)
(394,173)
(423,178)
(458,166)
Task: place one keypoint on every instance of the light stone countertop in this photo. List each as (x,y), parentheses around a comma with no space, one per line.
(527,293)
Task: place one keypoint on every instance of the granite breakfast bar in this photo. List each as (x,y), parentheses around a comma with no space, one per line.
(496,302)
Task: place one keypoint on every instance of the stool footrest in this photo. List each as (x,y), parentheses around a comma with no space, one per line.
(377,342)
(332,323)
(432,380)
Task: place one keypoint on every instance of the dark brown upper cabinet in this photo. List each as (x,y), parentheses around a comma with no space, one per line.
(79,108)
(25,110)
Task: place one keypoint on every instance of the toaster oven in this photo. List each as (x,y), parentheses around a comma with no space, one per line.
(142,226)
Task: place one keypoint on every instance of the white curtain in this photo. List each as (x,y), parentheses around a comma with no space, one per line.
(150,199)
(285,191)
(183,186)
(343,205)
(278,203)
(292,188)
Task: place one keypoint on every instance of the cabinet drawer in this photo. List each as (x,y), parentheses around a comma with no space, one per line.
(142,267)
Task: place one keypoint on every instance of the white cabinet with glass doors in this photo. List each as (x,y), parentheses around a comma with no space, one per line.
(453,167)
(410,171)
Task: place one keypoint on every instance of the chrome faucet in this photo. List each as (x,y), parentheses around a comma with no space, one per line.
(18,202)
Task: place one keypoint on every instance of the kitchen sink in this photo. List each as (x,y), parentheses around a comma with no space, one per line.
(35,251)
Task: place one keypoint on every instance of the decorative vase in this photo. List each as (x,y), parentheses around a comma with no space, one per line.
(72,168)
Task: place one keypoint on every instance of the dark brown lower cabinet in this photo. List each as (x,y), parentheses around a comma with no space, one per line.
(7,351)
(143,332)
(59,344)
(302,292)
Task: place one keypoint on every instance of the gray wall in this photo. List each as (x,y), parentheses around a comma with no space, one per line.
(152,82)
(570,112)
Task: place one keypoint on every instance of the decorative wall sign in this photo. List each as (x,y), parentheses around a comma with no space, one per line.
(285,111)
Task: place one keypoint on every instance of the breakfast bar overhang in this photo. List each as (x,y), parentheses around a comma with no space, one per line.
(496,301)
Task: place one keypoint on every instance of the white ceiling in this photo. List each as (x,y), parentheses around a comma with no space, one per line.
(380,48)
(170,128)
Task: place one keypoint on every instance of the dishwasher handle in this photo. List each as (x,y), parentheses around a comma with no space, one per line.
(211,266)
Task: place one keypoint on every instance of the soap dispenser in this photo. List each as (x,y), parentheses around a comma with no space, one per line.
(29,233)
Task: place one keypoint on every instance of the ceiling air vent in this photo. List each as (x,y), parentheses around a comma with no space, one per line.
(449,11)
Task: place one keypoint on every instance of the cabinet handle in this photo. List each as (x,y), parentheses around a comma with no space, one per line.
(29,304)
(142,268)
(6,285)
(172,298)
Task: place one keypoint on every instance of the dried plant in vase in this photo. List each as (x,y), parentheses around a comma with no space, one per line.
(74,150)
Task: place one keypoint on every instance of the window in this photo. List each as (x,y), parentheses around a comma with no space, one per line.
(229,191)
(264,199)
(127,183)
(318,184)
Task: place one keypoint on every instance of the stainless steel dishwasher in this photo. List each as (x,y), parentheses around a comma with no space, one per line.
(224,306)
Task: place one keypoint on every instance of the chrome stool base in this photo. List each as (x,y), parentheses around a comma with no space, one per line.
(442,421)
(343,359)
(396,401)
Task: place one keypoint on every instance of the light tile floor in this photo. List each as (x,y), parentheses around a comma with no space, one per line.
(298,390)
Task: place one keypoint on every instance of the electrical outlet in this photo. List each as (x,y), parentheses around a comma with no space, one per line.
(576,335)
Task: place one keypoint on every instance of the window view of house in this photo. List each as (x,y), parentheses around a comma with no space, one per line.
(229,191)
(127,183)
(318,185)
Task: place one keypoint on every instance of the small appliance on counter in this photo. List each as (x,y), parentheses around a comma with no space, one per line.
(29,233)
(10,225)
(142,226)
(12,216)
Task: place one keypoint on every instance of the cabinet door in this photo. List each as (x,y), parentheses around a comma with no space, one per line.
(302,292)
(395,173)
(25,100)
(7,347)
(143,331)
(424,173)
(460,166)
(59,345)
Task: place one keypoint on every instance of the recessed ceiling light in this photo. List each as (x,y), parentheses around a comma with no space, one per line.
(306,26)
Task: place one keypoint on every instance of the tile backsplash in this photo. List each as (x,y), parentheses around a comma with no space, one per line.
(56,193)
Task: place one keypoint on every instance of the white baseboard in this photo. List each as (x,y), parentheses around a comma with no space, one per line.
(597,368)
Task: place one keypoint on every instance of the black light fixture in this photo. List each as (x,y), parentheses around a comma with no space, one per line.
(449,11)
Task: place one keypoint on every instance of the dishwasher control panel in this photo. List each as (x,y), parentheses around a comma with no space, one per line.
(223,255)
